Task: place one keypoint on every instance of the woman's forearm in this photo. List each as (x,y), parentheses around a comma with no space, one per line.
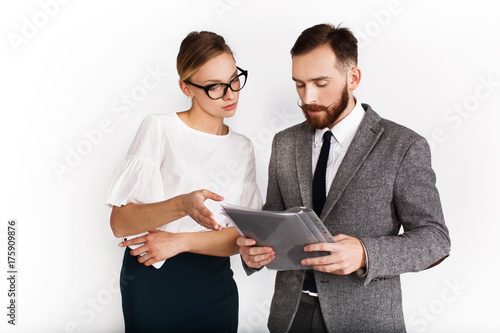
(214,243)
(132,219)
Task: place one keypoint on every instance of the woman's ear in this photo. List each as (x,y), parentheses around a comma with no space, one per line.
(185,89)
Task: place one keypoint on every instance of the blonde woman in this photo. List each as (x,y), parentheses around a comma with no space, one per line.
(157,189)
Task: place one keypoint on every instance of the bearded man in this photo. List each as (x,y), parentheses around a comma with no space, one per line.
(370,181)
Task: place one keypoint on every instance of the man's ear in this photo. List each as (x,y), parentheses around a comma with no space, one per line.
(353,78)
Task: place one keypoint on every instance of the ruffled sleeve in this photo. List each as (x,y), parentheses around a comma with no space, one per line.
(138,178)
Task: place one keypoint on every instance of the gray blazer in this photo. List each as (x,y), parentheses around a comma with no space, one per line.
(385,182)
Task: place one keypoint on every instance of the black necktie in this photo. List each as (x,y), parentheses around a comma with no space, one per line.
(319,197)
(319,180)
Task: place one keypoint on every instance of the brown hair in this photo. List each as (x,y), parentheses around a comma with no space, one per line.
(341,40)
(196,49)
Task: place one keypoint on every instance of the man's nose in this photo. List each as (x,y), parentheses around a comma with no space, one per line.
(310,96)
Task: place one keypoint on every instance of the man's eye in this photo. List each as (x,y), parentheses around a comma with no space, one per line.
(321,83)
(299,86)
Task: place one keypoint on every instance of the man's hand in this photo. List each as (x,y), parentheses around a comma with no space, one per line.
(254,257)
(347,256)
(156,246)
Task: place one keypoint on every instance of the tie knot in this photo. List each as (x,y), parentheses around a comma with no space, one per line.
(327,136)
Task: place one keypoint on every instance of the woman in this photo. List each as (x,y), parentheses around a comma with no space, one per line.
(155,189)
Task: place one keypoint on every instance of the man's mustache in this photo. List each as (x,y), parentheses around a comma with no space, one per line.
(313,107)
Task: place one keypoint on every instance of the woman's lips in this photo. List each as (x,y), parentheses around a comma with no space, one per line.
(230,107)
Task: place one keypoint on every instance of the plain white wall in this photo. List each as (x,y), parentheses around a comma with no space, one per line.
(70,67)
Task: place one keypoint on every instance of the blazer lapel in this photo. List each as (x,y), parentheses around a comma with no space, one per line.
(365,139)
(303,158)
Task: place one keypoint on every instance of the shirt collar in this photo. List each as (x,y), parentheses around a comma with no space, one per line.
(344,131)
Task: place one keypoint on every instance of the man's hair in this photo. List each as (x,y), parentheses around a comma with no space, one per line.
(341,40)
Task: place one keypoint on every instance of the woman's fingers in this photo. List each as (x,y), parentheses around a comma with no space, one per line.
(140,250)
(211,195)
(133,241)
(209,223)
(194,206)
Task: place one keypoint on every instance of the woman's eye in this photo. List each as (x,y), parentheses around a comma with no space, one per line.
(215,88)
(299,86)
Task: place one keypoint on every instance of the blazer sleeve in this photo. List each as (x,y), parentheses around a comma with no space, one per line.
(274,200)
(425,240)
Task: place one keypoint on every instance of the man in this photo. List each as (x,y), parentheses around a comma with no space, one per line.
(366,178)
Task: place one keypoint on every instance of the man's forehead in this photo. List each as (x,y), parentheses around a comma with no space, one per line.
(318,63)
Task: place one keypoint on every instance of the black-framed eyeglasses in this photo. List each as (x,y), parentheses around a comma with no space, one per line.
(219,90)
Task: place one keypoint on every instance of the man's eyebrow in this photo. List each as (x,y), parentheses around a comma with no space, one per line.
(320,78)
(218,81)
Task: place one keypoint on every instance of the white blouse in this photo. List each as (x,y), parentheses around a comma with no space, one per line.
(168,158)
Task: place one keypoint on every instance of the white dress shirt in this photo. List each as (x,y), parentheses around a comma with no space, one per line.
(342,135)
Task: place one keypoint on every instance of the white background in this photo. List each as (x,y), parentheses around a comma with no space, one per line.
(67,69)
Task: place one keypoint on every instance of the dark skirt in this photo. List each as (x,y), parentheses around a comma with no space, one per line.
(189,293)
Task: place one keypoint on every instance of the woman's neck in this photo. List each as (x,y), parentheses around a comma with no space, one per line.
(204,122)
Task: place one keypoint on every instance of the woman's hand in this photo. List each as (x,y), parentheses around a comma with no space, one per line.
(156,246)
(192,204)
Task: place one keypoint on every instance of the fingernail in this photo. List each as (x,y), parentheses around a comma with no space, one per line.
(303,262)
(121,244)
(269,250)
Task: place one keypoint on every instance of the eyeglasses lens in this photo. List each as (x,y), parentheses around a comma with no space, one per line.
(219,90)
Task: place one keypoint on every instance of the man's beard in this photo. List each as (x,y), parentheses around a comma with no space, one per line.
(332,112)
